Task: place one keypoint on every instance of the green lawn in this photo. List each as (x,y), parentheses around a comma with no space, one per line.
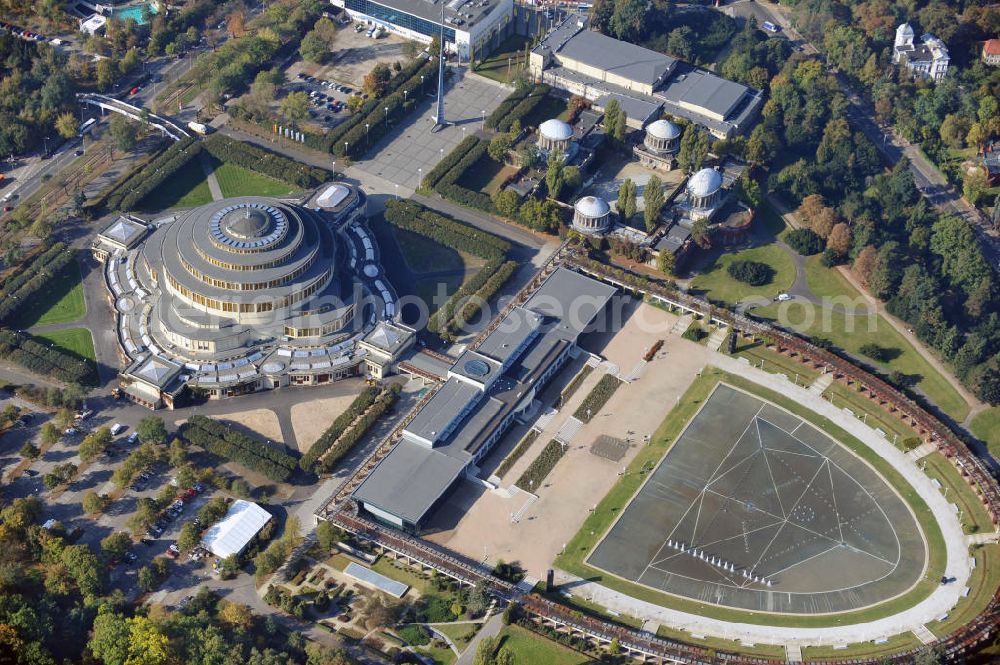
(714,282)
(530,648)
(509,56)
(76,341)
(986,427)
(238,181)
(762,650)
(548,108)
(776,363)
(843,396)
(894,645)
(850,333)
(599,521)
(974,515)
(422,254)
(185,189)
(459,633)
(427,290)
(481,174)
(61,302)
(984,581)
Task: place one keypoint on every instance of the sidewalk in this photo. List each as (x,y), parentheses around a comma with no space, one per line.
(491,628)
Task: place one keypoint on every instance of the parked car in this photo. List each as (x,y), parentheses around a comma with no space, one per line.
(133,437)
(173,552)
(117,429)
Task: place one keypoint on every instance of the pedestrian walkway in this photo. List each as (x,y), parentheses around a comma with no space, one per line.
(636,372)
(924,449)
(491,628)
(569,429)
(821,383)
(924,634)
(682,324)
(213,182)
(717,338)
(983,538)
(793,653)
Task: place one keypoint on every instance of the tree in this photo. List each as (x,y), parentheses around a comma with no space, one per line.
(152,430)
(626,200)
(313,48)
(377,80)
(29,451)
(229,567)
(123,132)
(666,262)
(680,42)
(177,454)
(753,273)
(693,149)
(822,224)
(105,74)
(116,544)
(652,197)
(554,173)
(615,647)
(484,653)
(189,537)
(94,444)
(615,121)
(628,19)
(701,234)
(507,203)
(147,645)
(235,23)
(864,264)
(295,106)
(237,615)
(953,130)
(839,240)
(95,503)
(85,569)
(109,641)
(66,125)
(327,535)
(498,147)
(804,241)
(147,579)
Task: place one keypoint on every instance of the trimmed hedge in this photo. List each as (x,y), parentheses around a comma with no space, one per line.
(524,107)
(506,106)
(416,218)
(541,466)
(41,359)
(347,440)
(467,300)
(342,422)
(257,159)
(16,291)
(255,455)
(598,397)
(431,179)
(448,187)
(138,184)
(517,453)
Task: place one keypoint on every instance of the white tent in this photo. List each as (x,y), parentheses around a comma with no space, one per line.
(232,534)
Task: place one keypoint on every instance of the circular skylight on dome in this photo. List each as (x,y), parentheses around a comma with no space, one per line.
(477,367)
(248,227)
(246,223)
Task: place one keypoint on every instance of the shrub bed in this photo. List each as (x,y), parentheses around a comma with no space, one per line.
(347,440)
(255,455)
(416,218)
(44,360)
(753,273)
(16,291)
(524,107)
(132,189)
(805,241)
(517,453)
(257,159)
(450,160)
(536,472)
(598,397)
(575,383)
(506,106)
(448,187)
(468,300)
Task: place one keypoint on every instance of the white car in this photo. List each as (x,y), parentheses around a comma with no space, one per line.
(783,297)
(117,429)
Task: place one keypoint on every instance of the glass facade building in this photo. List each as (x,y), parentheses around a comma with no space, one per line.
(398,17)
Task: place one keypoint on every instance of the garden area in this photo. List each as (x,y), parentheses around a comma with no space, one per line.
(188,187)
(506,61)
(986,427)
(78,345)
(527,647)
(715,282)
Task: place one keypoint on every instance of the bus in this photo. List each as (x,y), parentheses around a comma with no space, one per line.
(770,27)
(87,126)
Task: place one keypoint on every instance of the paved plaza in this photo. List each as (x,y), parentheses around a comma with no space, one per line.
(412,149)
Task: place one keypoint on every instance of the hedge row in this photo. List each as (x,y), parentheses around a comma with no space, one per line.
(524,107)
(132,189)
(17,290)
(431,179)
(598,397)
(346,441)
(342,422)
(257,159)
(506,106)
(38,358)
(411,70)
(449,188)
(419,219)
(255,455)
(541,466)
(468,299)
(517,453)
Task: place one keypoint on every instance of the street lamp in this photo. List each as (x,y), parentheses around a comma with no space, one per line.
(335,168)
(397,191)
(387,117)
(484,119)
(366,132)
(345,148)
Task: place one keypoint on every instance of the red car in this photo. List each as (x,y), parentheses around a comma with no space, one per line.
(188,495)
(133,90)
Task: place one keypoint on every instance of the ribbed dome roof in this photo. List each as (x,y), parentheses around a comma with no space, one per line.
(593,206)
(555,130)
(246,223)
(663,129)
(704,182)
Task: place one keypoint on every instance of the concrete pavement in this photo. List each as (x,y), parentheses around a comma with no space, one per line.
(491,628)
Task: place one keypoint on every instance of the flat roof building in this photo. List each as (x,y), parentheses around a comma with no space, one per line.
(489,386)
(233,533)
(472,28)
(644,82)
